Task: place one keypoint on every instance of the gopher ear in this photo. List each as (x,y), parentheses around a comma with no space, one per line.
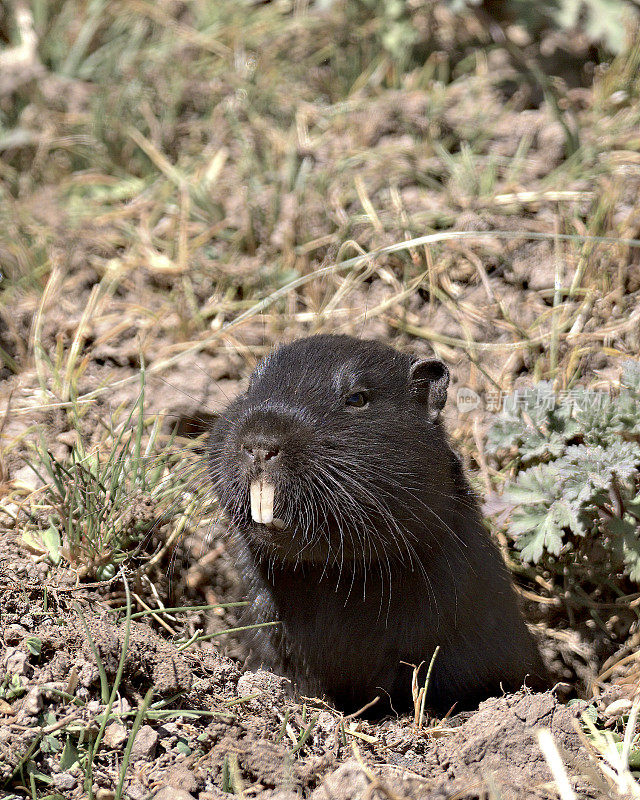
(429,380)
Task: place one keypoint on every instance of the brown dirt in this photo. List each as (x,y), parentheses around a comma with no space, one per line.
(259,720)
(253,738)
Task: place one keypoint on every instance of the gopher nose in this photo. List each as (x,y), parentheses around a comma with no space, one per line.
(260,453)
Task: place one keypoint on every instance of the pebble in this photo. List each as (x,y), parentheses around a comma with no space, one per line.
(115,735)
(26,477)
(33,702)
(325,723)
(617,708)
(348,780)
(16,661)
(121,706)
(144,746)
(272,690)
(64,781)
(180,778)
(69,438)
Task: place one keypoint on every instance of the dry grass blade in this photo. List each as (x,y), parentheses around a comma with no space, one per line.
(554,761)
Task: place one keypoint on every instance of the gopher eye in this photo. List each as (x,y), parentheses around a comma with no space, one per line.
(357,400)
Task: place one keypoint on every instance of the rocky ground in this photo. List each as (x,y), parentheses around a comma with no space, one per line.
(213,728)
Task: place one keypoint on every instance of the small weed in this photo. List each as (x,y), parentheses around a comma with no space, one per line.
(11,687)
(88,765)
(419,693)
(618,748)
(232,782)
(573,503)
(104,502)
(304,735)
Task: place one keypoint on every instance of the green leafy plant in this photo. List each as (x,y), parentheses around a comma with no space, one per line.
(574,504)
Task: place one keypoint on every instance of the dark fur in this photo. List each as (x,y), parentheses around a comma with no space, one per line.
(384,555)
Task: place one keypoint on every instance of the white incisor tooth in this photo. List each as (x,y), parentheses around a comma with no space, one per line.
(262,496)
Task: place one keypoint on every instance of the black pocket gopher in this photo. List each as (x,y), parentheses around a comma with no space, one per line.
(357,530)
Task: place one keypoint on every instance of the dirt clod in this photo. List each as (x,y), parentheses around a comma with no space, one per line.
(348,782)
(148,657)
(16,661)
(33,703)
(271,690)
(64,781)
(180,778)
(169,793)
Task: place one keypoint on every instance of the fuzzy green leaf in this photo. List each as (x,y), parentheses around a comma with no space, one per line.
(51,540)
(540,484)
(567,515)
(32,769)
(589,470)
(603,20)
(70,755)
(533,421)
(625,534)
(633,507)
(44,543)
(546,536)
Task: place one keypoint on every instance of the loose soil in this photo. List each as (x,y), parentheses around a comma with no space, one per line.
(254,732)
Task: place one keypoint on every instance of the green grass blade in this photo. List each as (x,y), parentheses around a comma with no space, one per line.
(142,710)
